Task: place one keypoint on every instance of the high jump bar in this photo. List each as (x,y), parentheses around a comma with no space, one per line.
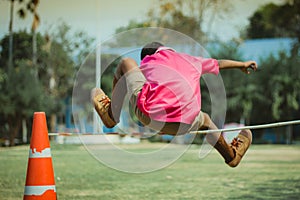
(271,125)
(62,134)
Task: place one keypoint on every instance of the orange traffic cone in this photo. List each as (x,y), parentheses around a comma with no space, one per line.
(40,182)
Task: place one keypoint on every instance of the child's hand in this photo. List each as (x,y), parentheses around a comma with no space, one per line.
(249,65)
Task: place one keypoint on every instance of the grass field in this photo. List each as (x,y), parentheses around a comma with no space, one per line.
(267,172)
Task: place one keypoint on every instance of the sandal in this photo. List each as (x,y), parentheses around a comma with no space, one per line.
(101,104)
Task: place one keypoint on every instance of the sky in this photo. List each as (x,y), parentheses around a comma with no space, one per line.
(100,18)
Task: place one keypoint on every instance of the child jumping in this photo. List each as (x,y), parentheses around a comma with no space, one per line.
(165,95)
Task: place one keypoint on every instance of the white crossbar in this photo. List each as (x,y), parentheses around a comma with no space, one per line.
(271,125)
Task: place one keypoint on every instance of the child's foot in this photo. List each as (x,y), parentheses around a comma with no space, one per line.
(240,145)
(101,104)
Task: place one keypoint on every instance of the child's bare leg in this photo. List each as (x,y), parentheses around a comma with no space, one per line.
(108,110)
(232,153)
(217,140)
(125,66)
(120,87)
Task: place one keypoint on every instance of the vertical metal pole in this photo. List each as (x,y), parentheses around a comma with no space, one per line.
(96,122)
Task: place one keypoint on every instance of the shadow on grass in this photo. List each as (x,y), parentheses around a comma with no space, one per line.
(274,189)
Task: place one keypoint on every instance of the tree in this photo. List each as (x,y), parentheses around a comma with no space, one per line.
(21,96)
(279,81)
(241,90)
(65,52)
(23,93)
(186,17)
(273,20)
(280,73)
(31,6)
(10,30)
(285,86)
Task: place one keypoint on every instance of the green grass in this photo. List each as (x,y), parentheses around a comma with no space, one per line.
(266,172)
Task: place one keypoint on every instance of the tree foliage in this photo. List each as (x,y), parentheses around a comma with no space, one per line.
(273,20)
(21,95)
(271,93)
(186,17)
(27,88)
(279,75)
(285,86)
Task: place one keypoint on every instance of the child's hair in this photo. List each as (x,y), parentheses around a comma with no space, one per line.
(150,49)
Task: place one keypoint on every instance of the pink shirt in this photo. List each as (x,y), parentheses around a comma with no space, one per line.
(172,89)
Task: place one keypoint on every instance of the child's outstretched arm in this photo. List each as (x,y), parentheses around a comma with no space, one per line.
(244,66)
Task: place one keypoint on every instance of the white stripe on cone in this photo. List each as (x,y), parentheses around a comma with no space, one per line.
(46,153)
(38,190)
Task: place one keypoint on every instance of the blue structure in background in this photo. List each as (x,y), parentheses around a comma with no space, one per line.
(68,115)
(259,49)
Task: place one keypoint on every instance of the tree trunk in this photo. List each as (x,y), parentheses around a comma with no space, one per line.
(289,134)
(34,54)
(35,24)
(34,48)
(10,29)
(53,123)
(14,127)
(24,131)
